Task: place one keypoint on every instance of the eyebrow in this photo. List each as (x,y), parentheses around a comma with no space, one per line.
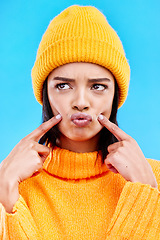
(99,79)
(90,80)
(64,79)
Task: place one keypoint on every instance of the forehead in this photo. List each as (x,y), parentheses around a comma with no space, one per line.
(88,70)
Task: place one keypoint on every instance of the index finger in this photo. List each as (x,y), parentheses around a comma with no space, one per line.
(113,128)
(44,127)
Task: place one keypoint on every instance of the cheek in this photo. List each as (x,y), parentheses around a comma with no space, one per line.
(106,107)
(107,113)
(58,106)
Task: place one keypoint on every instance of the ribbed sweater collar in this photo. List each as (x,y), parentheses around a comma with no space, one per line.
(71,165)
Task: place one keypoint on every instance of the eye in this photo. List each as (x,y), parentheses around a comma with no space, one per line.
(62,86)
(99,87)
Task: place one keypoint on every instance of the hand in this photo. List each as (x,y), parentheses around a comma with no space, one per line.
(125,157)
(28,155)
(24,160)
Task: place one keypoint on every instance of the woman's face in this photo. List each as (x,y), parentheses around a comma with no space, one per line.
(80,92)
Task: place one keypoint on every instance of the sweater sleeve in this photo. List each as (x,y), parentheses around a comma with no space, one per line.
(137,215)
(19,224)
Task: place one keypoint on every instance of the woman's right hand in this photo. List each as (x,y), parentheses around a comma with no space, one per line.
(25,159)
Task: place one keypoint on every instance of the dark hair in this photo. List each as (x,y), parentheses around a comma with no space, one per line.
(106,137)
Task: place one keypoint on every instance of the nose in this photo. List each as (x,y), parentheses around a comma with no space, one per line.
(81,101)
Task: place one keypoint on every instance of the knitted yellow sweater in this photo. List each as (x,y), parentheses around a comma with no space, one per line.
(75,197)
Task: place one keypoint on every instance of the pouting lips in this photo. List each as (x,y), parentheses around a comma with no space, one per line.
(81,119)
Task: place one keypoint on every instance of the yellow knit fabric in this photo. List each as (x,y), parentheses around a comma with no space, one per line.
(75,197)
(80,34)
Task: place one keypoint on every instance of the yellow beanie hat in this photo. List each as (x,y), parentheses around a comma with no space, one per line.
(80,34)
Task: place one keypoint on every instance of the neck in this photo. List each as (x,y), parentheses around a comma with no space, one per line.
(90,145)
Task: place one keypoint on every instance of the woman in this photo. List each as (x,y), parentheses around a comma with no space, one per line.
(59,182)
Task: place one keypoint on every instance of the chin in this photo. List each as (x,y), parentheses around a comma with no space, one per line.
(79,137)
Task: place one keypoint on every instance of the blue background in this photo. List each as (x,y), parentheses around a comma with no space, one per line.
(22,24)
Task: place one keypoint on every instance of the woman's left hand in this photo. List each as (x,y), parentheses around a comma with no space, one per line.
(125,157)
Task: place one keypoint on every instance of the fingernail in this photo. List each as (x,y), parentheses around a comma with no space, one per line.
(58,116)
(100,116)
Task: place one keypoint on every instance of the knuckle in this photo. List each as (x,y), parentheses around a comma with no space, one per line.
(114,128)
(41,128)
(120,152)
(109,148)
(37,157)
(38,163)
(124,144)
(131,140)
(22,144)
(47,150)
(31,144)
(114,157)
